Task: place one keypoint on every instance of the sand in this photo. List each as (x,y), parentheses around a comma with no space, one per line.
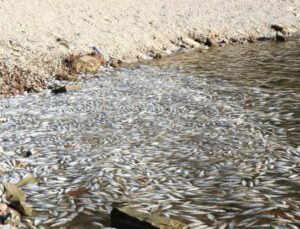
(36,34)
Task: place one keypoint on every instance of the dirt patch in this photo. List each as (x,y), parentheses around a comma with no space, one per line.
(16,81)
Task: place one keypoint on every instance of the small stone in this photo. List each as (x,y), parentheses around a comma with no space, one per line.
(26,153)
(280,38)
(67,88)
(279,28)
(210,42)
(116,63)
(62,42)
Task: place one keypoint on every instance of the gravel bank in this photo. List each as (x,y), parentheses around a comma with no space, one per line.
(35,35)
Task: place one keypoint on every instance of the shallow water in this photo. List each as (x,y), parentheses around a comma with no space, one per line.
(272,68)
(211,139)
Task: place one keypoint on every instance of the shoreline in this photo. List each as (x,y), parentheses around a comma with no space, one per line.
(37,36)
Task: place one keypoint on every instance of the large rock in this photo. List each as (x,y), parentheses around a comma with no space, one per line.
(127,218)
(88,63)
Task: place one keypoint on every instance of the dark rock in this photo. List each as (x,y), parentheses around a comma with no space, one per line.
(278,28)
(27,153)
(280,38)
(127,218)
(67,88)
